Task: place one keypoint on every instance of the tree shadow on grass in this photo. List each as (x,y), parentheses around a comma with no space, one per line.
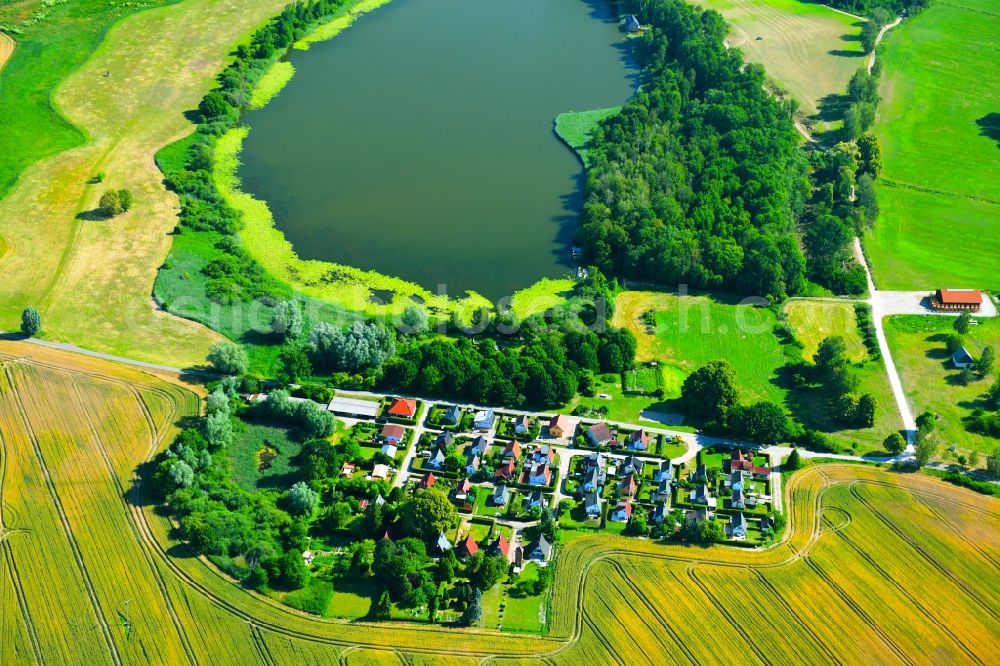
(844,53)
(93,215)
(989,126)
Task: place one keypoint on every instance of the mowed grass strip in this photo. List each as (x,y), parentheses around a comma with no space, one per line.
(814,321)
(940,189)
(808,49)
(575,128)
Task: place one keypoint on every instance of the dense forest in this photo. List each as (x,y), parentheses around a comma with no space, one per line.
(701,179)
(866,7)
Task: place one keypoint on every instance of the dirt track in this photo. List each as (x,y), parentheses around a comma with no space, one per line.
(7,45)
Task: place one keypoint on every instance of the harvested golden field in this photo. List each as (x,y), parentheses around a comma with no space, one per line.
(879,566)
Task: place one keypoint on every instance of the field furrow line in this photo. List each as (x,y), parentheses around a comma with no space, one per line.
(958,533)
(971,593)
(655,612)
(22,602)
(860,612)
(261,645)
(931,618)
(130,519)
(793,616)
(721,607)
(61,511)
(603,640)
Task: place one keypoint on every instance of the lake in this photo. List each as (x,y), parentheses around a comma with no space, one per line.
(419,141)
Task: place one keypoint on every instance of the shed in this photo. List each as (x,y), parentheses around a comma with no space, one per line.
(962,359)
(632,24)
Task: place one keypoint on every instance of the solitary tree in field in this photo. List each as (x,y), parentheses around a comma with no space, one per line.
(984,365)
(31,321)
(228,358)
(115,202)
(963,323)
(894,443)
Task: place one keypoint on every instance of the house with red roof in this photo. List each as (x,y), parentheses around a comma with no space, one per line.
(506,470)
(469,547)
(501,547)
(428,481)
(627,486)
(957,300)
(403,408)
(392,433)
(512,451)
(622,512)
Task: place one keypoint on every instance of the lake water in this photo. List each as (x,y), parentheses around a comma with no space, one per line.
(419,142)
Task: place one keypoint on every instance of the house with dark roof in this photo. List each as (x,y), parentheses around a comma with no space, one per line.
(444,439)
(699,475)
(664,471)
(540,550)
(392,433)
(501,495)
(535,500)
(622,511)
(638,441)
(592,503)
(442,544)
(734,481)
(478,447)
(403,408)
(737,527)
(485,420)
(664,490)
(632,24)
(631,465)
(701,495)
(660,513)
(598,460)
(599,434)
(962,359)
(522,425)
(452,416)
(472,464)
(737,501)
(437,459)
(594,479)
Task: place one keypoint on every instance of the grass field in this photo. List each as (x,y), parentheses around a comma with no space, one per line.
(942,163)
(48,51)
(574,128)
(875,551)
(809,50)
(918,349)
(813,321)
(693,330)
(91,279)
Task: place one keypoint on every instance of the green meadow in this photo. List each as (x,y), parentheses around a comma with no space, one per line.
(930,380)
(47,52)
(939,127)
(574,128)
